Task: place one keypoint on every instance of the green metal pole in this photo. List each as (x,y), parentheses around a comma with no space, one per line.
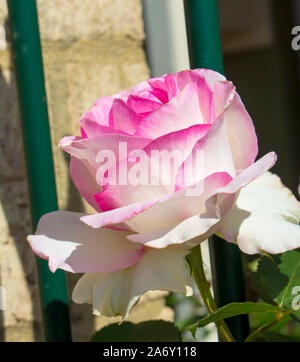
(38,154)
(206,52)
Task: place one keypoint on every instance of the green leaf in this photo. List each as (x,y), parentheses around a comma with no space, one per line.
(259,319)
(276,279)
(233,309)
(275,337)
(289,266)
(149,331)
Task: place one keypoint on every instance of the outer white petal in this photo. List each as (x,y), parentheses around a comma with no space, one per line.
(265,217)
(117,292)
(71,245)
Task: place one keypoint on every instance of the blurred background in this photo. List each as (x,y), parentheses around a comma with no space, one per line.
(97,48)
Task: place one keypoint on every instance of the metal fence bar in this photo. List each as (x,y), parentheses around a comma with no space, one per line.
(38,154)
(206,52)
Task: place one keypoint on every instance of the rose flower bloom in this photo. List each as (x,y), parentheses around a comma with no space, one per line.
(141,232)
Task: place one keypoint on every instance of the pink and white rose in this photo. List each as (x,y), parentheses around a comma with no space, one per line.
(141,231)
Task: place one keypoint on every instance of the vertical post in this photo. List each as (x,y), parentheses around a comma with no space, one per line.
(166,44)
(206,52)
(38,155)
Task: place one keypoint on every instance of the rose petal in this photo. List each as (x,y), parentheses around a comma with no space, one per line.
(166,211)
(142,105)
(124,118)
(163,157)
(116,293)
(251,173)
(224,93)
(174,209)
(94,129)
(183,111)
(71,245)
(241,134)
(116,216)
(212,153)
(100,112)
(265,217)
(202,226)
(84,181)
(88,150)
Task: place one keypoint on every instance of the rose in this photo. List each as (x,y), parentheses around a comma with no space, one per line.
(141,233)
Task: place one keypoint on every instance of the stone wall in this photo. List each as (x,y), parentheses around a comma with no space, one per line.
(90,49)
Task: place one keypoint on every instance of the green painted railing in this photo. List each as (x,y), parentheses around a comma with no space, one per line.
(206,52)
(38,154)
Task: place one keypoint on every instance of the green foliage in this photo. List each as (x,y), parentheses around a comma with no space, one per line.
(277,283)
(149,331)
(234,309)
(275,337)
(276,279)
